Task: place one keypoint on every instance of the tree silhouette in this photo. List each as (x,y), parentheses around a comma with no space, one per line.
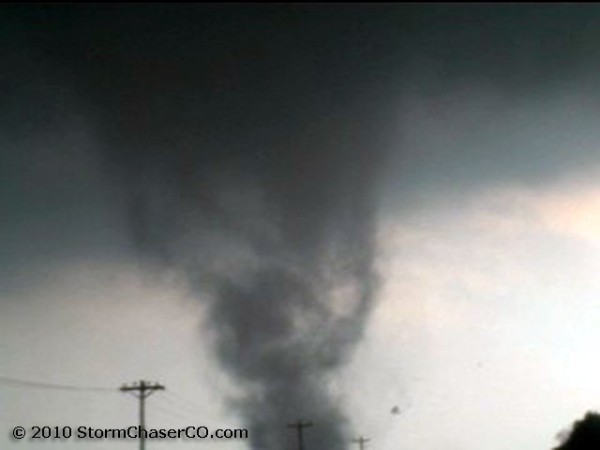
(584,435)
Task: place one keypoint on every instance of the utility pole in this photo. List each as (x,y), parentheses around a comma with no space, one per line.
(142,389)
(361,441)
(299,426)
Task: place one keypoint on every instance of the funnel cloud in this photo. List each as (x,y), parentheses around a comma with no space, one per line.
(253,174)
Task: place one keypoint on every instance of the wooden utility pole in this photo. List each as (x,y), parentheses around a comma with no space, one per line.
(361,441)
(142,389)
(299,426)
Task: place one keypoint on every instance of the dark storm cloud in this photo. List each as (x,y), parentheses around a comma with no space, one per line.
(55,202)
(247,145)
(497,95)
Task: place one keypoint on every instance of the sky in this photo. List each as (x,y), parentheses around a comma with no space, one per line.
(382,219)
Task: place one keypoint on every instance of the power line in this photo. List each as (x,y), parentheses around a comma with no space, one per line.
(182,403)
(179,398)
(173,413)
(192,417)
(42,385)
